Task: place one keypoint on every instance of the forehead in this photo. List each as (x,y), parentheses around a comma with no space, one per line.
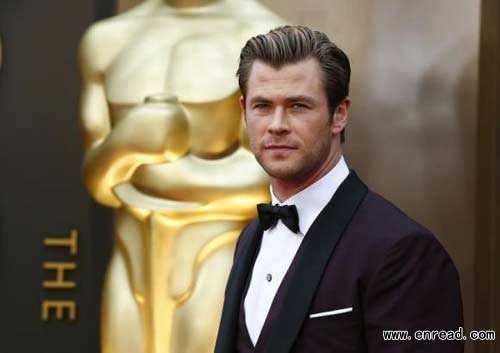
(303,77)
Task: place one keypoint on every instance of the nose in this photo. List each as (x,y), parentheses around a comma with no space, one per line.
(279,124)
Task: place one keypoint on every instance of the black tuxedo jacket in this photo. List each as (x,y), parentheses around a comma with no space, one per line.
(361,253)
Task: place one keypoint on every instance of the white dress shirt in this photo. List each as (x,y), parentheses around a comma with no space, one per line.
(279,246)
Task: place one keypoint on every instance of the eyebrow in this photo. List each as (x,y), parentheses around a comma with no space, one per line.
(298,98)
(258,99)
(301,98)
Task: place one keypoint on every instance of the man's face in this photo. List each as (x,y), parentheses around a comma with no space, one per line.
(288,123)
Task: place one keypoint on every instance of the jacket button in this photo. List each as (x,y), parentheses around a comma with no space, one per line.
(269,277)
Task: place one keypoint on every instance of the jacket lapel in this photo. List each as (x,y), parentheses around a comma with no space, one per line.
(244,257)
(319,245)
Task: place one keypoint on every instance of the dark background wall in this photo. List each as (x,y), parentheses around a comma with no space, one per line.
(487,306)
(41,189)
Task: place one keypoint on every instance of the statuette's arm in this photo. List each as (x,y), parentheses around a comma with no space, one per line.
(135,140)
(153,133)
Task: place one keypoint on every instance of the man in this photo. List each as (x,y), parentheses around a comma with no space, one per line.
(330,265)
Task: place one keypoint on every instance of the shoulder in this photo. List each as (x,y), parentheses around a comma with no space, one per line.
(386,221)
(391,245)
(102,41)
(255,19)
(253,10)
(385,230)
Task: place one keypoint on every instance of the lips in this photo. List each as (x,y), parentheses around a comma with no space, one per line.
(279,147)
(279,144)
(279,151)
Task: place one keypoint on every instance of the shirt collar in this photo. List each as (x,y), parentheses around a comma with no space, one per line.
(314,198)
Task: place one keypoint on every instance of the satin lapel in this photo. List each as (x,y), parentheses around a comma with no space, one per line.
(244,257)
(319,245)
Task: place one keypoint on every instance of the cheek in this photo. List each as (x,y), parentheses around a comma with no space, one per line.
(306,131)
(253,128)
(253,135)
(313,135)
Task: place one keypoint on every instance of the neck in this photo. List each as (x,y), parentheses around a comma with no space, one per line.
(284,189)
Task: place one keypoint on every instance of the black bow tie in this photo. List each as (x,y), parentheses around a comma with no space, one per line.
(269,216)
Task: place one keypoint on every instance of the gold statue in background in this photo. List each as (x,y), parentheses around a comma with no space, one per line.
(164,147)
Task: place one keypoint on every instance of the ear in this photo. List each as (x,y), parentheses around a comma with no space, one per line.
(340,116)
(242,107)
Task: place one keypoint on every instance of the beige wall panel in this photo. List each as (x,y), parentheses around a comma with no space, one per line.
(413,122)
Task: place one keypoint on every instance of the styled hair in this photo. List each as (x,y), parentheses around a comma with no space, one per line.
(291,44)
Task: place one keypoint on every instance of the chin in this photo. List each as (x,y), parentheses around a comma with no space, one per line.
(281,172)
(282,168)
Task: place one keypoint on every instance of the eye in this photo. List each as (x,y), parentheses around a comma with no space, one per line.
(261,106)
(299,106)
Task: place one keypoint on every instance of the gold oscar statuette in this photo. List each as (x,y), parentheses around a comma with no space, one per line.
(166,149)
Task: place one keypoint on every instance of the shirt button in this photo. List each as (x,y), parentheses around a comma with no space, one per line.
(269,277)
